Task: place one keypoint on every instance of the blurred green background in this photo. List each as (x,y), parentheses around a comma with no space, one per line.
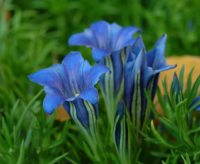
(34,34)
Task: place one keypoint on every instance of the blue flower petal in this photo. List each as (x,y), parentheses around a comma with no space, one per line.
(139,61)
(90,95)
(96,36)
(161,42)
(120,113)
(195,102)
(73,60)
(133,51)
(131,70)
(98,54)
(104,38)
(165,68)
(48,76)
(125,37)
(73,65)
(138,45)
(81,111)
(156,57)
(72,98)
(114,30)
(52,100)
(147,75)
(101,33)
(95,73)
(81,39)
(81,75)
(118,68)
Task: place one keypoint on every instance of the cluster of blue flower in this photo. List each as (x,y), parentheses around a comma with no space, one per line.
(124,70)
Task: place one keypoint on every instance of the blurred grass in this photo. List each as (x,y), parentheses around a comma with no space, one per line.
(178,19)
(34,34)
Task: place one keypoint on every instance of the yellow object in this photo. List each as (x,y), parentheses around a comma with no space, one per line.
(62,114)
(189,62)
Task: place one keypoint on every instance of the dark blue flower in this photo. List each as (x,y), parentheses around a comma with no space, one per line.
(108,42)
(120,125)
(72,81)
(175,86)
(141,71)
(156,57)
(104,38)
(156,60)
(196,102)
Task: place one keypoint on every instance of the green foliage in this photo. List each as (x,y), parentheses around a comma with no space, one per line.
(179,19)
(28,136)
(178,129)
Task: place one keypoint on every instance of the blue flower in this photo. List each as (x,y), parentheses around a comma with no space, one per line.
(196,102)
(141,72)
(156,60)
(108,42)
(72,81)
(156,57)
(104,38)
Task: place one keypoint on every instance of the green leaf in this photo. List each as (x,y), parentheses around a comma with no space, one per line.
(181,76)
(21,154)
(26,109)
(186,159)
(160,139)
(58,158)
(189,82)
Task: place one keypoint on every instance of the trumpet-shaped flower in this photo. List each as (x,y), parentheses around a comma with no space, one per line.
(108,42)
(141,73)
(104,38)
(72,81)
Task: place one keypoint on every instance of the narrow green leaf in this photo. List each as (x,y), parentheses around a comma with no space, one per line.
(21,153)
(6,133)
(14,108)
(189,83)
(26,109)
(160,139)
(58,158)
(181,76)
(186,159)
